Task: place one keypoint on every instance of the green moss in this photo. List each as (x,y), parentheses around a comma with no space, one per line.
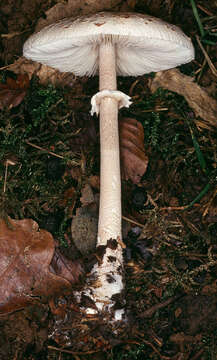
(38,120)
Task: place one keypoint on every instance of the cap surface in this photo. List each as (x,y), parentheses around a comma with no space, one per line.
(143,44)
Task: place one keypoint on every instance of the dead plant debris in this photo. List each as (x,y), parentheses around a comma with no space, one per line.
(204,107)
(30,269)
(169,157)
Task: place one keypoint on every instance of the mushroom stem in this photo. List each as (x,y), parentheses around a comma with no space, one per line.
(108,273)
(110,183)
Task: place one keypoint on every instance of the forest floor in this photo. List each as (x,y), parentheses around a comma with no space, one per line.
(49,172)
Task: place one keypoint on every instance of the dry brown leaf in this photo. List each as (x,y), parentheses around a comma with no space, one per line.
(210,289)
(67,269)
(13,91)
(68,200)
(134,161)
(94,182)
(62,9)
(52,76)
(45,73)
(72,8)
(198,99)
(24,66)
(25,272)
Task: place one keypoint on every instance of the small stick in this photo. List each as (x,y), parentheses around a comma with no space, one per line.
(6,175)
(192,203)
(210,63)
(155,110)
(5,67)
(13,34)
(150,312)
(72,352)
(132,221)
(198,354)
(207,12)
(155,350)
(209,203)
(7,162)
(40,148)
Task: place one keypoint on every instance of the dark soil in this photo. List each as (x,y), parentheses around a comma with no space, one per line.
(169,218)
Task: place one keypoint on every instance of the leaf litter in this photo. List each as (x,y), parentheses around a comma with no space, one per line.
(170,253)
(30,271)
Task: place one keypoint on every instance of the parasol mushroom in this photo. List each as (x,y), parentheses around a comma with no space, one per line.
(127,44)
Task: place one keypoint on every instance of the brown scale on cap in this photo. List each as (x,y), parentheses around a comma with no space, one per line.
(110,278)
(112,244)
(112,258)
(99,24)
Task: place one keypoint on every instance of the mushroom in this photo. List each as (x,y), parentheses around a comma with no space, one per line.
(126,44)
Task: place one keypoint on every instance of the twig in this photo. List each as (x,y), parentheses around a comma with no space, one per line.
(150,312)
(207,12)
(157,109)
(198,355)
(13,34)
(133,221)
(43,149)
(5,67)
(200,70)
(210,63)
(203,267)
(155,350)
(7,162)
(72,352)
(192,203)
(6,175)
(209,203)
(195,255)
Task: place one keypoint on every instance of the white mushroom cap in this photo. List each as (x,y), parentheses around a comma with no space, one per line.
(143,43)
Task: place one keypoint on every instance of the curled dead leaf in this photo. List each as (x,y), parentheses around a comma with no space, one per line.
(46,74)
(28,265)
(13,91)
(198,99)
(94,182)
(61,10)
(71,8)
(134,161)
(68,200)
(61,266)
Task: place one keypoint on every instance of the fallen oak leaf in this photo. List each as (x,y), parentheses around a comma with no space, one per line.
(66,9)
(134,161)
(21,82)
(62,9)
(28,265)
(45,74)
(11,98)
(68,200)
(67,269)
(13,91)
(198,99)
